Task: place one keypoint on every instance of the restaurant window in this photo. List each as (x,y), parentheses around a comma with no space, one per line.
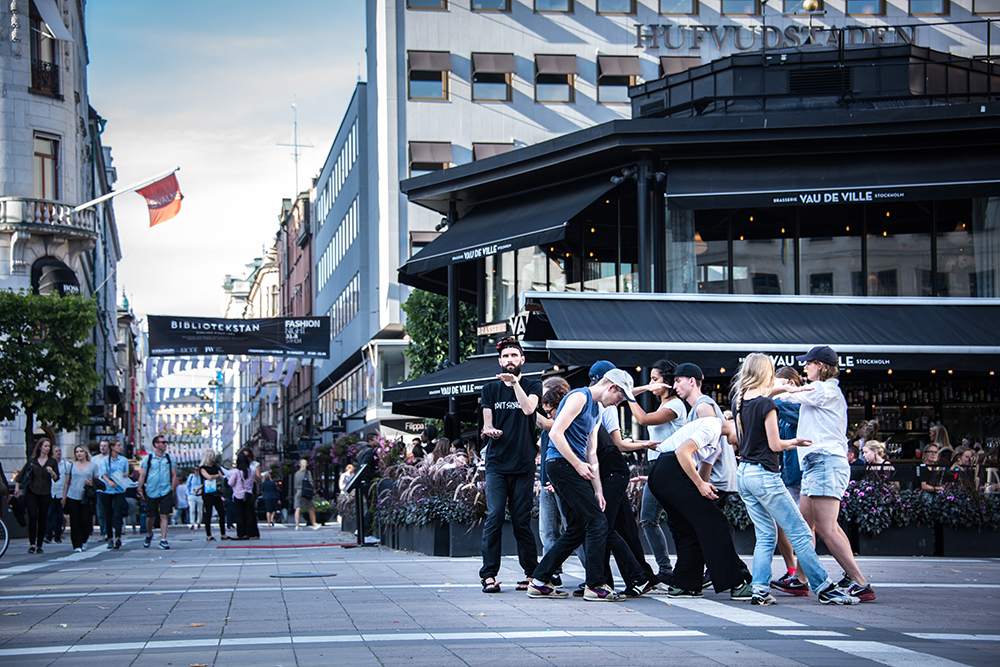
(481,151)
(968,246)
(600,254)
(830,245)
(678,6)
(710,245)
(986,7)
(764,251)
(741,7)
(500,277)
(677,64)
(46,162)
(614,76)
(554,78)
(491,5)
(532,270)
(865,7)
(44,56)
(491,77)
(427,4)
(428,74)
(428,156)
(929,8)
(616,6)
(899,248)
(799,6)
(565,6)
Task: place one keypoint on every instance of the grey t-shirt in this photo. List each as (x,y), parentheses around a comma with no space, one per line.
(78,480)
(724,470)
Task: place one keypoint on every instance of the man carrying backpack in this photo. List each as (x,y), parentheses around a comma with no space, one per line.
(157,481)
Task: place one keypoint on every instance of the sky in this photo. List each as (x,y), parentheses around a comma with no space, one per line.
(209,86)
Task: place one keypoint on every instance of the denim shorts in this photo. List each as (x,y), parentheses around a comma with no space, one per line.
(825,475)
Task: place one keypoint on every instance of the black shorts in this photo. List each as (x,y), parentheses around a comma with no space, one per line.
(161,505)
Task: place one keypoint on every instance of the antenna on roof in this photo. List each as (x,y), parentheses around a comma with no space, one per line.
(296,145)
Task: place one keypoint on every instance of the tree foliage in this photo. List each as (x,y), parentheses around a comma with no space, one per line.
(46,362)
(427,326)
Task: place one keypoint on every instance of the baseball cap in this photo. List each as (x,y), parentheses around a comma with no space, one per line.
(687,370)
(599,368)
(622,380)
(509,341)
(820,353)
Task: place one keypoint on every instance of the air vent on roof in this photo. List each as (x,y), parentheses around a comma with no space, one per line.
(653,107)
(819,80)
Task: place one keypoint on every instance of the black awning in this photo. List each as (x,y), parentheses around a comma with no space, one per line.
(716,332)
(465,379)
(509,224)
(826,179)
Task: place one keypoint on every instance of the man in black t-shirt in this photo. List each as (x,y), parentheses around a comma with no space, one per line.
(509,405)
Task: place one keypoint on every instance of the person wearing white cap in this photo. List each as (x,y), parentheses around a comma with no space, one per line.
(572,467)
(825,470)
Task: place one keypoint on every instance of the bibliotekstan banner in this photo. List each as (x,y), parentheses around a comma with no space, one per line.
(171,336)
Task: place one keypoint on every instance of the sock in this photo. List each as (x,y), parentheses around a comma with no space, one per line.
(791,571)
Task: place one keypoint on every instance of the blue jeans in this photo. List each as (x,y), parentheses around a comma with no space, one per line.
(549,515)
(768,501)
(649,519)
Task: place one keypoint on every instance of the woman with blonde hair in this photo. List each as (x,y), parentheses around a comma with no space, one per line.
(874,453)
(759,482)
(74,496)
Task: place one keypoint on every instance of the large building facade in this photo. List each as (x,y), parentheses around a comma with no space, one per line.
(52,160)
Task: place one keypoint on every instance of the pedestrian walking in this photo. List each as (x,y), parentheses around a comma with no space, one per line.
(78,488)
(114,474)
(825,471)
(767,500)
(35,482)
(509,405)
(57,521)
(157,481)
(194,490)
(269,494)
(103,450)
(572,467)
(211,494)
(241,479)
(303,493)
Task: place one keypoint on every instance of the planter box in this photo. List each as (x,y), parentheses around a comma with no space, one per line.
(908,541)
(348,523)
(971,542)
(465,541)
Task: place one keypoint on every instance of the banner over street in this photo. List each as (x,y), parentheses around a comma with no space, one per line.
(171,336)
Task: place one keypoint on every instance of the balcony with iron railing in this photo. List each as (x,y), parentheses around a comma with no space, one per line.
(45,77)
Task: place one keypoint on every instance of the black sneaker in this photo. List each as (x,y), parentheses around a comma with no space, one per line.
(833,595)
(675,592)
(164,544)
(666,577)
(118,544)
(791,585)
(146,541)
(764,600)
(556,580)
(578,593)
(707,581)
(38,550)
(31,550)
(632,592)
(845,583)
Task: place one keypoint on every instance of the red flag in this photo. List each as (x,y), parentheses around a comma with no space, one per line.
(163,198)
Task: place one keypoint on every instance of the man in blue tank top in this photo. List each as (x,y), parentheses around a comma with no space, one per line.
(572,469)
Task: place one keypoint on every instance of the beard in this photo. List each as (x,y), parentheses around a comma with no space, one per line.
(514,368)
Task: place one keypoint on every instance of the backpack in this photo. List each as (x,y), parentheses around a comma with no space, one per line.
(306,490)
(150,456)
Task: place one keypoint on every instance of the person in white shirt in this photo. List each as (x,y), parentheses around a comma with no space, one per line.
(825,470)
(56,521)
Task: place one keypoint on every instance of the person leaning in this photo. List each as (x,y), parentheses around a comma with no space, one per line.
(509,404)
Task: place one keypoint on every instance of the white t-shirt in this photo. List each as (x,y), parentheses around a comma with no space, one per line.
(822,418)
(706,434)
(609,418)
(663,431)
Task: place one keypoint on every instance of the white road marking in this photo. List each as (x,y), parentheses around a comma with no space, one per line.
(887,654)
(808,633)
(944,636)
(331,639)
(730,613)
(71,558)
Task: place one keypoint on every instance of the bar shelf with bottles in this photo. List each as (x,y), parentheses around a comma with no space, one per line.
(906,409)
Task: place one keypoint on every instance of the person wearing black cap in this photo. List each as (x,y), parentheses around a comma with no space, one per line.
(509,404)
(825,470)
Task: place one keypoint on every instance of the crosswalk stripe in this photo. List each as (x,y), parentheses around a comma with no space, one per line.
(886,654)
(731,613)
(944,636)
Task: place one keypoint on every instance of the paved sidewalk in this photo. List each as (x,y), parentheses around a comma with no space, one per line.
(291,598)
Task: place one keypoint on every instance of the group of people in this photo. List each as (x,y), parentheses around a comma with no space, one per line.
(104,487)
(791,475)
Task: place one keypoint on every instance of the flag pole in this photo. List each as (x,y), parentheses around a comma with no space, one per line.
(131,188)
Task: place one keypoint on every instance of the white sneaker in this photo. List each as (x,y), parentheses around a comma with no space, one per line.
(316,526)
(297,528)
(78,550)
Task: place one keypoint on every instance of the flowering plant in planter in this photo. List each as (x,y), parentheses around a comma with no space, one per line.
(873,504)
(432,492)
(957,507)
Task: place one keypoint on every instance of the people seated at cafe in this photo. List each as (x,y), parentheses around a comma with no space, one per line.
(856,462)
(963,470)
(939,437)
(930,472)
(876,463)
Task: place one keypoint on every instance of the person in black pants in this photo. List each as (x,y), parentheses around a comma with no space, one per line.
(509,405)
(699,527)
(211,477)
(38,492)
